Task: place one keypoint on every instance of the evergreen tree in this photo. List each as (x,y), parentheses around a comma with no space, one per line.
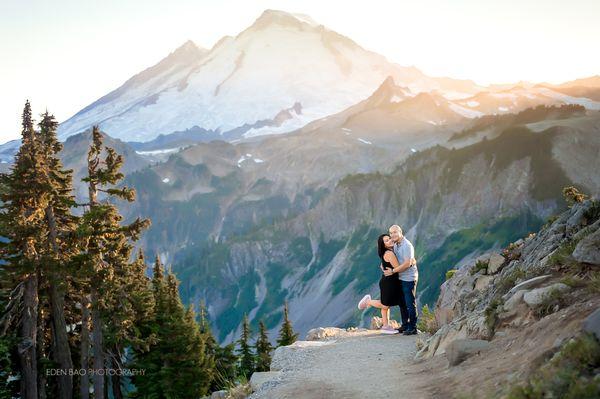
(107,250)
(210,344)
(263,349)
(22,222)
(60,225)
(224,361)
(132,306)
(246,367)
(287,336)
(176,365)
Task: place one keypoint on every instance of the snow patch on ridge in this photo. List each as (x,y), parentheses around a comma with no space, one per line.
(467,113)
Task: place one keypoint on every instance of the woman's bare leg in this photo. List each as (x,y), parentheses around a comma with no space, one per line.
(384,310)
(385,316)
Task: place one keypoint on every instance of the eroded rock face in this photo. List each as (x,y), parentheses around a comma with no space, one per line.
(588,249)
(260,377)
(483,282)
(459,350)
(495,263)
(592,323)
(471,326)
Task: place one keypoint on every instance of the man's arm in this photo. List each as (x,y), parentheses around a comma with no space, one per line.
(398,268)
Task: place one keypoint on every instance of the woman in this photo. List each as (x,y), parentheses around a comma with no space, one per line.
(389,286)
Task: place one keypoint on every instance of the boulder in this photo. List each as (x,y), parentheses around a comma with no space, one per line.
(260,377)
(535,297)
(527,284)
(459,350)
(496,262)
(513,305)
(483,282)
(322,333)
(592,323)
(452,293)
(218,395)
(588,249)
(377,322)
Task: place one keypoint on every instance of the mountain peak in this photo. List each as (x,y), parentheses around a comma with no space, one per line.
(277,17)
(188,49)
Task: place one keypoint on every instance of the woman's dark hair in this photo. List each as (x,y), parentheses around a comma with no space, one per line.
(381,248)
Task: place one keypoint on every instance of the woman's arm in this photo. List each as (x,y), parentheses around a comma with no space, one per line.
(390,256)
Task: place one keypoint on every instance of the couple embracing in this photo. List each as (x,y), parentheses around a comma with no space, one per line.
(398,283)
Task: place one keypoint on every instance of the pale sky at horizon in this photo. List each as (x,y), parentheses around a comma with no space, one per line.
(65,54)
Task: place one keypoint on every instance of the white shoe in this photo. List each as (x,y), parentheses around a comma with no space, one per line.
(363,304)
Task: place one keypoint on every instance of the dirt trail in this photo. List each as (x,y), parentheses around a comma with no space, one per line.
(366,364)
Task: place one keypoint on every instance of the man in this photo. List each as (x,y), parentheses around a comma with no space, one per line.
(408,275)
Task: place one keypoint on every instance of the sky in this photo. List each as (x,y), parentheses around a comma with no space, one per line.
(64,54)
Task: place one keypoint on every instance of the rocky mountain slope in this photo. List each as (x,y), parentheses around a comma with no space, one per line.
(314,246)
(523,323)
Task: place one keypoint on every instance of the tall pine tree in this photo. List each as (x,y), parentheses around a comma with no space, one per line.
(247,361)
(107,247)
(263,349)
(287,336)
(60,224)
(22,221)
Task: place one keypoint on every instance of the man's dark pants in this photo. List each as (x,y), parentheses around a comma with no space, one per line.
(408,305)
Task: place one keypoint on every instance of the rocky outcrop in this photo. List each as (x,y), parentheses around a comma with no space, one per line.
(588,249)
(510,288)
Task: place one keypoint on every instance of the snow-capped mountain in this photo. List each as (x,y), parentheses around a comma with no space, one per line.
(280,73)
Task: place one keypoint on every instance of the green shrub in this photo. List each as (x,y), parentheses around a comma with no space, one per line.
(593,283)
(480,265)
(573,281)
(427,321)
(552,302)
(563,254)
(450,273)
(491,314)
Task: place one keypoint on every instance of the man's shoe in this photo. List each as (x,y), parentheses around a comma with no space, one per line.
(410,332)
(401,329)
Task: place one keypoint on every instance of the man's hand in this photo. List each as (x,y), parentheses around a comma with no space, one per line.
(388,272)
(413,262)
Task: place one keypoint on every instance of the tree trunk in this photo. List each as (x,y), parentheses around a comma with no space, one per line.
(98,347)
(62,351)
(27,346)
(84,383)
(42,350)
(116,379)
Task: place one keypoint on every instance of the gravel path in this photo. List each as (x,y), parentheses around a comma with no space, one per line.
(366,364)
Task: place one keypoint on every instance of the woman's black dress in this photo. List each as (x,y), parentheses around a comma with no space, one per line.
(389,286)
